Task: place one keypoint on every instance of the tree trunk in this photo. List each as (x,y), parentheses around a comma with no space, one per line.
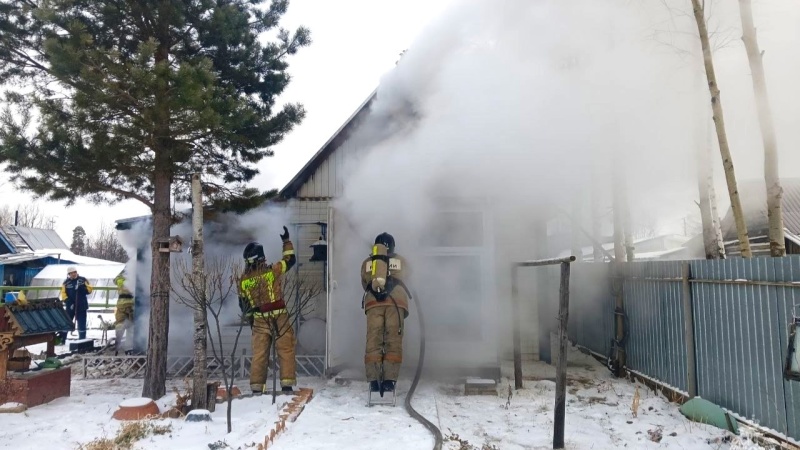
(199,390)
(627,223)
(577,249)
(155,374)
(618,209)
(705,186)
(777,246)
(719,122)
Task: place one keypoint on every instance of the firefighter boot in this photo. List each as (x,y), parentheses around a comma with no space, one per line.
(388,385)
(374,386)
(286,389)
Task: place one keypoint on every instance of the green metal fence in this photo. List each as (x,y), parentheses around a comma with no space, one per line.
(26,289)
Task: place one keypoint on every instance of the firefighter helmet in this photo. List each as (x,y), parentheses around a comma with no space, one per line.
(387,240)
(253,252)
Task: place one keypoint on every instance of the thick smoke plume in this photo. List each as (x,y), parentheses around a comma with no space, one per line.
(527,110)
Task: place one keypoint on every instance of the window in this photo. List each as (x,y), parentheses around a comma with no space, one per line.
(455,229)
(451,293)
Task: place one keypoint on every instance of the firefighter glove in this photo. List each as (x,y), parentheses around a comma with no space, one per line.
(285,235)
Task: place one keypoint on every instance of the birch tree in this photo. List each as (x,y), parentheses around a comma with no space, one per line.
(777,246)
(719,125)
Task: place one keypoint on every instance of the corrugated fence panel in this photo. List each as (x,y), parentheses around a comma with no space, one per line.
(737,337)
(656,343)
(591,306)
(741,314)
(788,298)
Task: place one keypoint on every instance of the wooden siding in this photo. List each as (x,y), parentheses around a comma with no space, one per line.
(327,180)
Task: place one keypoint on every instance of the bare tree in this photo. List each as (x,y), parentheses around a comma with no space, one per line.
(209,291)
(105,245)
(687,46)
(777,246)
(722,137)
(28,215)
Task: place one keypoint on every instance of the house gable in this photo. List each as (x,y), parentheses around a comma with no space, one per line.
(317,179)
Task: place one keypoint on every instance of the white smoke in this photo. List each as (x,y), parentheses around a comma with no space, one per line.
(523,107)
(224,237)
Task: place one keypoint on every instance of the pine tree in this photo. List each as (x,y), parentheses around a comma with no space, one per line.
(78,245)
(125,99)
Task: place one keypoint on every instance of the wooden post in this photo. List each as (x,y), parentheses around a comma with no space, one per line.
(561,368)
(688,329)
(515,329)
(4,354)
(211,395)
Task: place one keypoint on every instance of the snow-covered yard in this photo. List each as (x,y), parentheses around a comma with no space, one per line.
(598,416)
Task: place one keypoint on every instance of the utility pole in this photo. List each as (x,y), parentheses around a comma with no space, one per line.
(199,390)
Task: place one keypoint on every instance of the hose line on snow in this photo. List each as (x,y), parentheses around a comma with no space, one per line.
(437,434)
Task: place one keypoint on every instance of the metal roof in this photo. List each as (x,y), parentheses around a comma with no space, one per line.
(753,196)
(40,239)
(40,316)
(24,238)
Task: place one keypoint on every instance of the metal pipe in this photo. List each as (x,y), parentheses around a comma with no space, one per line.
(688,330)
(515,334)
(545,262)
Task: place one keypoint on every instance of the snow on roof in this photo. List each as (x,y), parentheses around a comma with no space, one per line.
(64,255)
(107,271)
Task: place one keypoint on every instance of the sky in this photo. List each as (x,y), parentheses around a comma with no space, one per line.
(355,43)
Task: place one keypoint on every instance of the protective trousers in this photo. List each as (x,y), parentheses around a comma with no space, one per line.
(384,342)
(78,314)
(123,325)
(284,346)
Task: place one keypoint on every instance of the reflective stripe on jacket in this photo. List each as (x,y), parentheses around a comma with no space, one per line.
(262,285)
(76,290)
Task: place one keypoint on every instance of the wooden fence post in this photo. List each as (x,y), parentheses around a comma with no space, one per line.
(561,368)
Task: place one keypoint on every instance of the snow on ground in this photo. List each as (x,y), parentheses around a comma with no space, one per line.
(598,416)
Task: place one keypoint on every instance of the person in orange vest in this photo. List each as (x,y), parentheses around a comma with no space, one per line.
(385,304)
(261,299)
(74,292)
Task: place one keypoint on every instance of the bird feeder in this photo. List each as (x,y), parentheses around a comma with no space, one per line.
(173,244)
(320,250)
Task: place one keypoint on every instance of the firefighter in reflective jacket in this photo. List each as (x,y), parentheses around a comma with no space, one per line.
(74,292)
(261,299)
(386,307)
(123,316)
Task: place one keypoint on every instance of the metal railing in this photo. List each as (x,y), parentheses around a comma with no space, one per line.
(105,289)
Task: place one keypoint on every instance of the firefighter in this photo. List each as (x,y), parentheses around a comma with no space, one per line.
(262,301)
(385,304)
(74,292)
(123,317)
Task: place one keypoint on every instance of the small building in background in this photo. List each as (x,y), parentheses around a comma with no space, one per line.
(753,195)
(24,252)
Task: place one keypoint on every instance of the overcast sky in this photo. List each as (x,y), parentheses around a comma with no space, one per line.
(355,43)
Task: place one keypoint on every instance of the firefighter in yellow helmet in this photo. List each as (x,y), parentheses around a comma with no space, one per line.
(386,307)
(123,316)
(260,297)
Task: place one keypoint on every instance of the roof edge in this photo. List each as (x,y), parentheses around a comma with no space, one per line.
(291,188)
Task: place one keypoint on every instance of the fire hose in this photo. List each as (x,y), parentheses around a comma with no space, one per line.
(437,434)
